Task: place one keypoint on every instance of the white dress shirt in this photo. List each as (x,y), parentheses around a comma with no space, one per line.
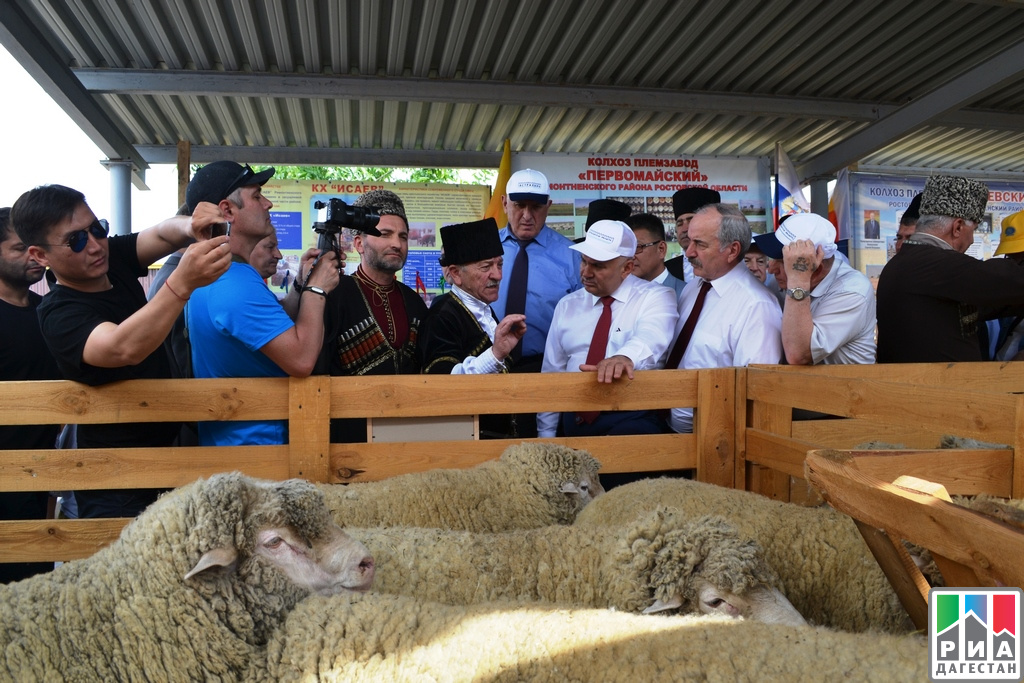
(485,363)
(843,315)
(643,317)
(741,323)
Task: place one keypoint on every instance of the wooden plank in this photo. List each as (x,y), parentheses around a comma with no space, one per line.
(907,581)
(354,462)
(961,535)
(97,468)
(428,395)
(143,400)
(56,540)
(962,472)
(949,409)
(776,419)
(851,432)
(778,452)
(985,377)
(715,426)
(309,428)
(1017,475)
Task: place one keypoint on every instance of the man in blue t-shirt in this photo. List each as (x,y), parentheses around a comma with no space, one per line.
(236,326)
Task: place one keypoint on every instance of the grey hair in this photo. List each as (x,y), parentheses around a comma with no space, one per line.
(733,226)
(935,225)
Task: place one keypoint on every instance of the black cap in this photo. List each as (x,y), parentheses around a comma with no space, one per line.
(913,211)
(690,199)
(214,182)
(606,210)
(464,243)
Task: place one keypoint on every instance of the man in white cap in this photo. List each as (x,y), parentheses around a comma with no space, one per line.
(616,324)
(727,318)
(829,311)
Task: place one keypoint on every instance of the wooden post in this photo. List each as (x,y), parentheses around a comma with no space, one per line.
(715,426)
(309,428)
(1017,478)
(184,161)
(777,419)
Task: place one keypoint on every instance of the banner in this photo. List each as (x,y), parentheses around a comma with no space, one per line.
(427,206)
(647,183)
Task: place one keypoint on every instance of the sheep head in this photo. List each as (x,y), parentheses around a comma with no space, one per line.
(568,476)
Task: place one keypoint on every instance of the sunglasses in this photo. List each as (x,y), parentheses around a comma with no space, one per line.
(79,238)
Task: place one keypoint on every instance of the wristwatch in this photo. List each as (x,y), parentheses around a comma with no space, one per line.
(797,294)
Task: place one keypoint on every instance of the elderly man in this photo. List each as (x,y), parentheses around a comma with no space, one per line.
(543,267)
(727,317)
(929,294)
(829,313)
(685,203)
(616,324)
(650,251)
(236,325)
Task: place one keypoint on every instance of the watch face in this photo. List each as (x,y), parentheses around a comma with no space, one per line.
(797,294)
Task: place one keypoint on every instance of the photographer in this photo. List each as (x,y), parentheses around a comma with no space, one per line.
(236,326)
(372,319)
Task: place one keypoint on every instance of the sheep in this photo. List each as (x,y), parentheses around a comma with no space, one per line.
(662,561)
(373,637)
(190,591)
(824,566)
(531,485)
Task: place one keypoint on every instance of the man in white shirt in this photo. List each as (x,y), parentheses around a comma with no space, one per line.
(829,314)
(649,261)
(637,329)
(738,321)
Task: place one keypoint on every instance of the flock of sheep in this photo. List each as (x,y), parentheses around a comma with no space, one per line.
(521,568)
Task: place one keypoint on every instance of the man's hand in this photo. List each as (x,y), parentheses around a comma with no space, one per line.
(201,264)
(204,218)
(326,275)
(610,369)
(507,334)
(801,258)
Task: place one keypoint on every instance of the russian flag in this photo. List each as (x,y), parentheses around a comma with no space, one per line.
(788,197)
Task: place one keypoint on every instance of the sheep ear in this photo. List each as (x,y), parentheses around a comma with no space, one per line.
(218,557)
(675,602)
(569,487)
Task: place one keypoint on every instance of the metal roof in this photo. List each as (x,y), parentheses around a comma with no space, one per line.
(915,85)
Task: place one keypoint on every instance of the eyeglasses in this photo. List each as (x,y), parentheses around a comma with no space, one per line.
(640,247)
(79,238)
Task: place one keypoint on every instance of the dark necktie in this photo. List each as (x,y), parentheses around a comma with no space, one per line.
(684,334)
(598,348)
(516,301)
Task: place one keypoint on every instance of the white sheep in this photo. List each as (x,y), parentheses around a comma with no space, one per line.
(824,566)
(531,485)
(373,637)
(661,561)
(190,591)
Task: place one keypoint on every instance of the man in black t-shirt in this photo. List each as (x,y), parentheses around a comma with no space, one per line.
(96,320)
(23,356)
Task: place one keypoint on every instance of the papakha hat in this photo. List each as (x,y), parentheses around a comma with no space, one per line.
(690,199)
(606,210)
(913,211)
(464,243)
(386,202)
(954,196)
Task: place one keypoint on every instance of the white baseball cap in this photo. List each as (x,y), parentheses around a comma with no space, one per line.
(528,185)
(799,226)
(607,240)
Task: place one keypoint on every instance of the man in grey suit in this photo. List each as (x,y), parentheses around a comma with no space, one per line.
(650,251)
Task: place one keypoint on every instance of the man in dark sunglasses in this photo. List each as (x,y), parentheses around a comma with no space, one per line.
(96,319)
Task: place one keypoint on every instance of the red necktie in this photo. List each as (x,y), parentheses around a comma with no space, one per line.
(684,334)
(598,348)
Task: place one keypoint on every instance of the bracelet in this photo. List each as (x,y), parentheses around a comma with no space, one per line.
(315,290)
(167,284)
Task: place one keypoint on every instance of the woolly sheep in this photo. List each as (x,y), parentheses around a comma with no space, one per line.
(531,485)
(824,566)
(373,637)
(659,562)
(190,591)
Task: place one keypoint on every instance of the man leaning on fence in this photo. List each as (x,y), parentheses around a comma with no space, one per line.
(96,319)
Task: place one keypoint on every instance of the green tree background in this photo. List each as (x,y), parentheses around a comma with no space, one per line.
(451,176)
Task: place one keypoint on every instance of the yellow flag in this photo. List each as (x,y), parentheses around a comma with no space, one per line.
(495,209)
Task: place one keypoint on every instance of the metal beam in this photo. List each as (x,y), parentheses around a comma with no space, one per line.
(32,50)
(951,96)
(219,84)
(309,156)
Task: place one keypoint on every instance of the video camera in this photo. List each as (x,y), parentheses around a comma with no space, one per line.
(339,215)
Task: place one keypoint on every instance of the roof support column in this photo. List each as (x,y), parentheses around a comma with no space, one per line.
(819,196)
(120,195)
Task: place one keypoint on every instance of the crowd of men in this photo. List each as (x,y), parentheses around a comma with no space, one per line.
(608,303)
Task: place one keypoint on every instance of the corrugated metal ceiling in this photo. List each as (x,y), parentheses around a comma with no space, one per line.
(916,84)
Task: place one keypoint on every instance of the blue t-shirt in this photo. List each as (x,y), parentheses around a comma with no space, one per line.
(554,272)
(229,321)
